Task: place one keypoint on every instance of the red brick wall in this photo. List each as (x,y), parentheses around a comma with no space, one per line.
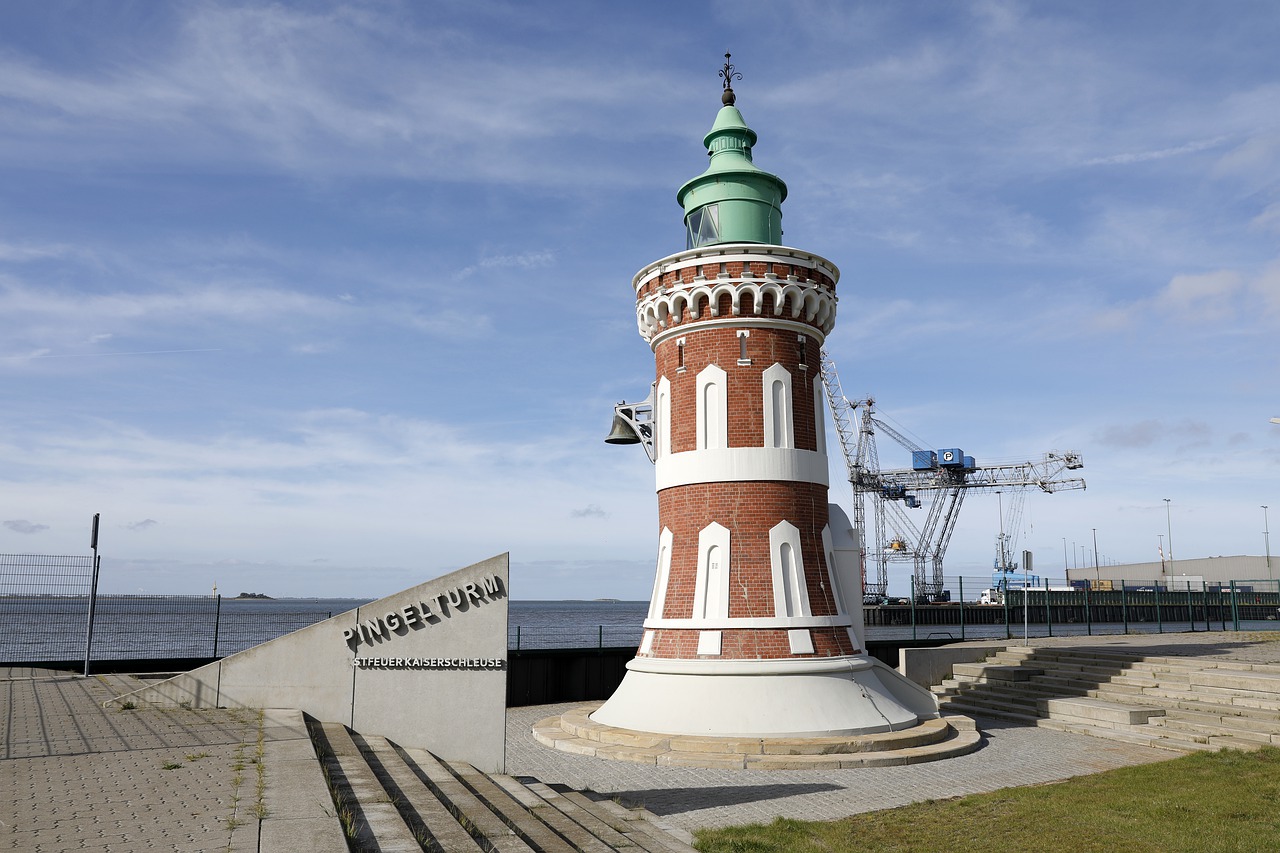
(719,345)
(749,511)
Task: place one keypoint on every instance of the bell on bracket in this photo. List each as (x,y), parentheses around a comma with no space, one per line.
(622,432)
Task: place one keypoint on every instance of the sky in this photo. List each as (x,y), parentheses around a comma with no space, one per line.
(327,299)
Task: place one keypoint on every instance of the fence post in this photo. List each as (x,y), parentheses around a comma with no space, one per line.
(517,638)
(600,637)
(1124,604)
(217,622)
(1159,619)
(93,594)
(93,600)
(961,608)
(1007,634)
(913,607)
(1088,613)
(1048,614)
(1235,611)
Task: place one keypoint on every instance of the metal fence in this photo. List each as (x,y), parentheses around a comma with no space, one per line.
(44,606)
(130,627)
(574,637)
(975,608)
(1049,608)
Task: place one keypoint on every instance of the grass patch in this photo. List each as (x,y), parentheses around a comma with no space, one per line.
(171,765)
(1211,802)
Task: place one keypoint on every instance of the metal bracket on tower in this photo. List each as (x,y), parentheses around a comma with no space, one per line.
(633,424)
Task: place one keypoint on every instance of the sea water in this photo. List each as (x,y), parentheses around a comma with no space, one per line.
(125,627)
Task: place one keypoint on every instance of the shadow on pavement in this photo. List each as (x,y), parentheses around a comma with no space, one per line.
(664,801)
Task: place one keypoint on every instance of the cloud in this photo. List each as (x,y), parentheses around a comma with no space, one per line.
(26,252)
(523,261)
(1201,297)
(590,511)
(1160,154)
(335,91)
(1150,432)
(1224,301)
(19,525)
(138,526)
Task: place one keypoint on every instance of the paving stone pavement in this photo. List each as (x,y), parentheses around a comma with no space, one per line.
(1011,756)
(696,797)
(76,776)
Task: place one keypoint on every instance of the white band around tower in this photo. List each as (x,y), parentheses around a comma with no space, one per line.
(767,666)
(726,465)
(776,622)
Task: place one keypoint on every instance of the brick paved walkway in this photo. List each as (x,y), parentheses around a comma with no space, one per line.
(75,776)
(1012,756)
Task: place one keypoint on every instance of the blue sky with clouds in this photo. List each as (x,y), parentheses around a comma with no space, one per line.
(325,299)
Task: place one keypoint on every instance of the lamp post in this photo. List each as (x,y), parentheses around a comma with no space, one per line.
(1266,538)
(1096,574)
(1168,523)
(1160,548)
(1065,567)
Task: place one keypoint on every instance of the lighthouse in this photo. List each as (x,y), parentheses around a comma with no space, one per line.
(754,627)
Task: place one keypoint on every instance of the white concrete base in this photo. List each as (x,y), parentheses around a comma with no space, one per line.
(804,697)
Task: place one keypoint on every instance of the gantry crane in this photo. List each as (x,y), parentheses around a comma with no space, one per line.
(946,476)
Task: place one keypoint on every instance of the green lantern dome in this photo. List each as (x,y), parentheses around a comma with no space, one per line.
(734,201)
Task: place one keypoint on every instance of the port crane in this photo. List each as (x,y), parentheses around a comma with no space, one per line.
(944,476)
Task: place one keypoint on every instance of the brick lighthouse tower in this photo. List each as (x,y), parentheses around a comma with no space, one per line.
(754,627)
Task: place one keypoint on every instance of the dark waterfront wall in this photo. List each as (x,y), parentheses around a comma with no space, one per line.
(543,676)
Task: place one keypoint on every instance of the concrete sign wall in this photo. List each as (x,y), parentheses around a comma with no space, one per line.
(426,667)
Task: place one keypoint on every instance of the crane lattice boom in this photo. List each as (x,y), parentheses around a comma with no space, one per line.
(947,482)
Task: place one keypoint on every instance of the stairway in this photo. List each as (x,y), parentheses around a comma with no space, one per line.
(1174,703)
(394,799)
(930,740)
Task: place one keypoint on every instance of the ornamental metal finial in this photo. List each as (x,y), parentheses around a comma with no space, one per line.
(728,74)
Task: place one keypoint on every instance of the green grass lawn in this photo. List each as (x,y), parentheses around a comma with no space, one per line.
(1202,803)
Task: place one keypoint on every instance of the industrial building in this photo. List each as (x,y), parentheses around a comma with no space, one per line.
(1182,574)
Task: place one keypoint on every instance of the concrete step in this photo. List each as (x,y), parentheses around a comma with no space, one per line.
(408,800)
(1135,736)
(1098,711)
(372,821)
(1268,726)
(1264,685)
(423,812)
(987,672)
(1168,702)
(569,829)
(1211,730)
(1021,690)
(628,827)
(507,809)
(469,810)
(977,709)
(1226,710)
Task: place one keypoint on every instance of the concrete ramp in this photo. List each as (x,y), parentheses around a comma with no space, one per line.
(426,667)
